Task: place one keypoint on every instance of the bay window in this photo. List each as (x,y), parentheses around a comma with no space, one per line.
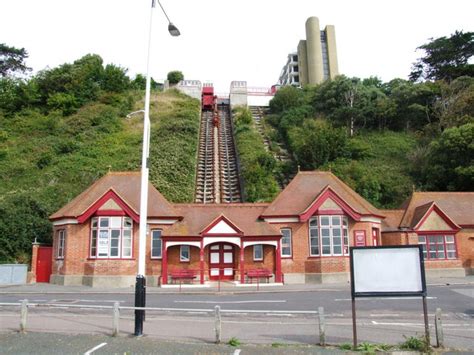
(111,237)
(438,247)
(328,236)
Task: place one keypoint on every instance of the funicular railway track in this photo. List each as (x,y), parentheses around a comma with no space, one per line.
(217,176)
(229,175)
(205,192)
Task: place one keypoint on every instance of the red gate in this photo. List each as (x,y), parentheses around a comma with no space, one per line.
(44,264)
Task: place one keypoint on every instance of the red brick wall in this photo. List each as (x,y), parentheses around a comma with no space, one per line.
(465,246)
(301,262)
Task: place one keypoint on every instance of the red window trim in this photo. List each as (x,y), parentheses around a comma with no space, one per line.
(444,235)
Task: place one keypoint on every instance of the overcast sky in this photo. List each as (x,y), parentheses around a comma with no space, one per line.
(225,40)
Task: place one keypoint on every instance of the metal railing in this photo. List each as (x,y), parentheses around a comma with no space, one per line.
(116,308)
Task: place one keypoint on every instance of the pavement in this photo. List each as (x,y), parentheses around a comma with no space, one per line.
(225,287)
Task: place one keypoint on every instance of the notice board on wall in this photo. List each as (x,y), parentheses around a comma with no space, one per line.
(387,271)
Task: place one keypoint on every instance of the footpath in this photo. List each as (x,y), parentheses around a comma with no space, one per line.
(211,288)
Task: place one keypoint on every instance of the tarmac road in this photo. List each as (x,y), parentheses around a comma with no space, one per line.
(378,320)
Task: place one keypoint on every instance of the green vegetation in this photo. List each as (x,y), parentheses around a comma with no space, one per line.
(415,343)
(384,139)
(257,166)
(234,342)
(70,130)
(175,76)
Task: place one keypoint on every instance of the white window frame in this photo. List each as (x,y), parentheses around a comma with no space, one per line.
(156,240)
(183,258)
(255,250)
(290,254)
(61,243)
(122,227)
(424,240)
(343,227)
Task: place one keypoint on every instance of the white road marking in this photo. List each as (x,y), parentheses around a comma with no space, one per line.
(233,302)
(384,298)
(88,352)
(237,351)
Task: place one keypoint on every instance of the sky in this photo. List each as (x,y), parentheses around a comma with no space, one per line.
(226,40)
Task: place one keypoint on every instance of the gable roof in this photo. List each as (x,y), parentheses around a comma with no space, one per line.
(198,217)
(458,206)
(304,190)
(392,220)
(126,186)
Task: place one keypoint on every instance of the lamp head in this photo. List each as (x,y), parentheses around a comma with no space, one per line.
(173,30)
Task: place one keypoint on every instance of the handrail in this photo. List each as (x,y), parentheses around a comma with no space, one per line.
(166,309)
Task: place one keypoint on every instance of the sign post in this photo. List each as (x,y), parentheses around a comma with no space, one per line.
(388,271)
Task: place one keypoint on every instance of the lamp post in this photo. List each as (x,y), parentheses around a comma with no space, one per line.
(140,293)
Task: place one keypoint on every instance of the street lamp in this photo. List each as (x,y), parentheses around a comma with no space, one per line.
(140,293)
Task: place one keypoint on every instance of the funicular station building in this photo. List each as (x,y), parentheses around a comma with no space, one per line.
(303,236)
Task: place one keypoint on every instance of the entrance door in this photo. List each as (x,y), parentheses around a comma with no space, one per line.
(43,264)
(375,237)
(221,261)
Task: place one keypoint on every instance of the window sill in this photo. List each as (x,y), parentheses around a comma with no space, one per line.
(327,256)
(95,259)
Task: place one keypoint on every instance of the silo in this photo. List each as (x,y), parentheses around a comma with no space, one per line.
(332,53)
(314,53)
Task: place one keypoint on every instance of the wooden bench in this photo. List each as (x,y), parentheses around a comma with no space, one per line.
(183,274)
(259,274)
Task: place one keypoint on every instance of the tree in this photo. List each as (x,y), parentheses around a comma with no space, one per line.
(175,77)
(286,98)
(445,58)
(450,160)
(316,143)
(12,60)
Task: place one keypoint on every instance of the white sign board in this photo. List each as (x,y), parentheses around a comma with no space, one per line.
(385,270)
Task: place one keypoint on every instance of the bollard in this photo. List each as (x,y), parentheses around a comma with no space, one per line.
(218,324)
(322,327)
(116,317)
(24,315)
(439,329)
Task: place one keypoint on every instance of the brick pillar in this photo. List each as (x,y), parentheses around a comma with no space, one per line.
(278,277)
(201,263)
(34,260)
(242,272)
(164,265)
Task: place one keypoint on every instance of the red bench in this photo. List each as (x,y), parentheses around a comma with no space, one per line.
(183,274)
(259,274)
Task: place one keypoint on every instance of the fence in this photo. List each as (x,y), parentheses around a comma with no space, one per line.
(116,308)
(13,274)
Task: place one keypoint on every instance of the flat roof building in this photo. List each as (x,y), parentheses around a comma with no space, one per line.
(315,59)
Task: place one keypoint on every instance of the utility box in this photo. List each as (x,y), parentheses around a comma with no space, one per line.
(13,274)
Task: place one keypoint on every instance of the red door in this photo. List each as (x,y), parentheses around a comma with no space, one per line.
(43,264)
(221,261)
(375,237)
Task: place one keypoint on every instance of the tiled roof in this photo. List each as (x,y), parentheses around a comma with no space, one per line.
(459,206)
(245,216)
(127,186)
(392,220)
(306,186)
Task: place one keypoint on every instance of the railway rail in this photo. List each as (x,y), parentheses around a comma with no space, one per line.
(217,176)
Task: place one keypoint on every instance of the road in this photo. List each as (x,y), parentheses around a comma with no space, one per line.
(378,320)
